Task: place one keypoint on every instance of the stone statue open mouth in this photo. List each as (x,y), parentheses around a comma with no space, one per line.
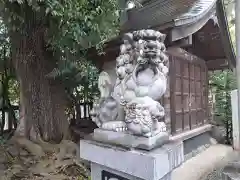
(150,53)
(145,74)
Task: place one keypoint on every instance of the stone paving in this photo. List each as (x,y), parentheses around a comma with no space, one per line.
(228,172)
(207,165)
(226,169)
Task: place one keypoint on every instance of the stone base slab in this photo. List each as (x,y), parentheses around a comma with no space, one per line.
(132,164)
(129,140)
(97,170)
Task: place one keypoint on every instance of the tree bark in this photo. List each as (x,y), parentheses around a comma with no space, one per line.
(43,100)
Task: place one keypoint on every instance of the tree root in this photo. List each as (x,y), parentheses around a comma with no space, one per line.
(29,146)
(72,169)
(38,147)
(46,161)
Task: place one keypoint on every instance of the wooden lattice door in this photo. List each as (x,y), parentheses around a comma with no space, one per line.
(188,91)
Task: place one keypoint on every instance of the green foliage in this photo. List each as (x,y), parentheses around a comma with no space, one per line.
(72,25)
(7,74)
(83,178)
(13,90)
(222,83)
(222,79)
(9,93)
(88,23)
(80,79)
(71,28)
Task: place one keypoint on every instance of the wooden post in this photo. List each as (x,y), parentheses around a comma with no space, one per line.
(235,120)
(237,26)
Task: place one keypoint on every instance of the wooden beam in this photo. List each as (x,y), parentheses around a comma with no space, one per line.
(185,42)
(217,64)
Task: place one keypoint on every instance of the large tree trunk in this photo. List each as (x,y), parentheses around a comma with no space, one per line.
(42,99)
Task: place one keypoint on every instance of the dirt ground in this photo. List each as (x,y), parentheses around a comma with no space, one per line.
(54,163)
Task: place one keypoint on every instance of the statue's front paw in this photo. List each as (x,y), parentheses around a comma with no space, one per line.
(149,134)
(118,126)
(96,121)
(162,126)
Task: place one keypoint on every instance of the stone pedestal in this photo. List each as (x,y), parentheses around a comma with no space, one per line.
(130,141)
(109,162)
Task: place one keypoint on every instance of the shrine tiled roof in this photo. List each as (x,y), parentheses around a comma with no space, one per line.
(170,12)
(197,11)
(151,14)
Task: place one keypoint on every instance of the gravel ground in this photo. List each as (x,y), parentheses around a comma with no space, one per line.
(215,175)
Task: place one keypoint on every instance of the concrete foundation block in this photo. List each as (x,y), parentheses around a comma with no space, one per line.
(109,161)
